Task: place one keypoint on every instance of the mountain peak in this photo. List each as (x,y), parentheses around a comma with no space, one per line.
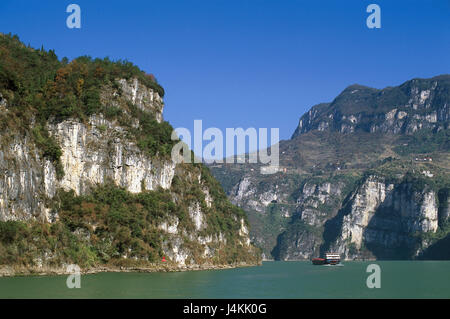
(358,87)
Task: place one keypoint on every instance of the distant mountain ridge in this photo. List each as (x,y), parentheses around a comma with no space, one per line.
(416,104)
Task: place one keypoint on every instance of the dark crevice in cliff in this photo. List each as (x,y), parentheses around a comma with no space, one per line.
(333,226)
(443,209)
(281,246)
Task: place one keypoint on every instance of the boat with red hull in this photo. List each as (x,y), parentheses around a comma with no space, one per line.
(330,259)
(318,261)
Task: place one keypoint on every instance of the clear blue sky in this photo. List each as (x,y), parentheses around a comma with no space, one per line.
(242,63)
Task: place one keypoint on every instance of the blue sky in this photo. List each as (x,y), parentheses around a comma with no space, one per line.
(242,63)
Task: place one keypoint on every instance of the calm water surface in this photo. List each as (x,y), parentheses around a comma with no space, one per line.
(399,279)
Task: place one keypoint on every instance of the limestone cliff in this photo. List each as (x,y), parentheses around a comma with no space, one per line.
(92,153)
(384,220)
(371,217)
(86,175)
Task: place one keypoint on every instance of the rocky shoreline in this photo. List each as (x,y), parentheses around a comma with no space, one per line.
(11,271)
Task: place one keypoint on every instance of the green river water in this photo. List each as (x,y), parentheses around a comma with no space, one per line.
(399,279)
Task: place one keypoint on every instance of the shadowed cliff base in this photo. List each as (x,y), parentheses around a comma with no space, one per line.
(438,251)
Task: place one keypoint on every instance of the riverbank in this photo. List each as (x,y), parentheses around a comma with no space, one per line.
(14,270)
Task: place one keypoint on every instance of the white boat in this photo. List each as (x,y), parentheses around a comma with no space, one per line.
(332,258)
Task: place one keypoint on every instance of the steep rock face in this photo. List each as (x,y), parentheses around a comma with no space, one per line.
(278,214)
(299,245)
(314,199)
(91,154)
(414,105)
(209,245)
(263,201)
(317,203)
(383,220)
(256,196)
(380,219)
(99,151)
(21,179)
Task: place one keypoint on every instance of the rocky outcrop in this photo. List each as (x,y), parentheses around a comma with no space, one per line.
(144,98)
(256,196)
(3,103)
(314,200)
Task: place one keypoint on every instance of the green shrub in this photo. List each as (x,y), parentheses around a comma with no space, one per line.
(11,231)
